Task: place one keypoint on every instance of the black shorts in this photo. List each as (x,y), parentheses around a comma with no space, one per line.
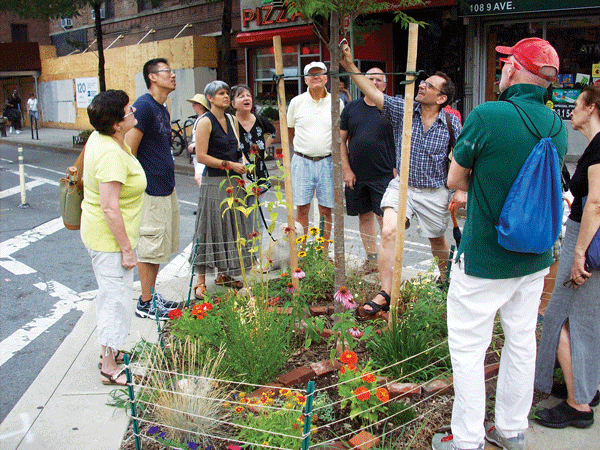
(366,196)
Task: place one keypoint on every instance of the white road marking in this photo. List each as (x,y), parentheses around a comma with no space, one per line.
(34,167)
(16,267)
(42,179)
(17,189)
(17,243)
(69,301)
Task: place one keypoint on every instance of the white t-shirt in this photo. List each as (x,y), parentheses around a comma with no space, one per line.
(32,104)
(311,120)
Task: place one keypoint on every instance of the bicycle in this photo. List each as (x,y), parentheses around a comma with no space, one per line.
(179,138)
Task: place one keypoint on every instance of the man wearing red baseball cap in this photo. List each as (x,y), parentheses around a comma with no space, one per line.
(488,279)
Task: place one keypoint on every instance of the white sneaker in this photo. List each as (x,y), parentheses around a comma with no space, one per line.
(10,130)
(18,131)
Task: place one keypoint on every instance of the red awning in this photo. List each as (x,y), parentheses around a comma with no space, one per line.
(289,35)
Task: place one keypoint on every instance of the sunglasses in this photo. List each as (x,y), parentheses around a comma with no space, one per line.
(431,86)
(572,284)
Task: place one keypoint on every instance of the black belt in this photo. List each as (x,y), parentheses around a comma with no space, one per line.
(312,158)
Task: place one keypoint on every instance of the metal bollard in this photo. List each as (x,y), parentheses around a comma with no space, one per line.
(24,203)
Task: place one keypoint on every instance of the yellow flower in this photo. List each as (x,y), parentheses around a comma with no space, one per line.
(265,444)
(313,231)
(242,395)
(226,405)
(301,239)
(320,239)
(239,409)
(330,241)
(301,254)
(288,406)
(319,248)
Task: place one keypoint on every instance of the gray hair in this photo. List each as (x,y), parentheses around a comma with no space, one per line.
(213,87)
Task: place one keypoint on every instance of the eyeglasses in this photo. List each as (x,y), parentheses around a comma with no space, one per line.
(572,284)
(129,113)
(508,61)
(431,86)
(164,70)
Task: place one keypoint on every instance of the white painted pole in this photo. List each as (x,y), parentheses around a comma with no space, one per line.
(24,203)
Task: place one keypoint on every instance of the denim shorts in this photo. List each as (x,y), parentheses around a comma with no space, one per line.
(309,177)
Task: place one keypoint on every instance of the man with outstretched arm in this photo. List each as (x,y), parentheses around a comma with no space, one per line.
(428,197)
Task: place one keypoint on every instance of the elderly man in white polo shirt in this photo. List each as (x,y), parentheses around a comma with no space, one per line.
(309,119)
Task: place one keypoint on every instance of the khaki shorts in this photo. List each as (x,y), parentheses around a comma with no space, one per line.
(430,206)
(159,229)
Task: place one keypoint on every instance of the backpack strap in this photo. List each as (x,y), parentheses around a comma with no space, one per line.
(452,139)
(529,121)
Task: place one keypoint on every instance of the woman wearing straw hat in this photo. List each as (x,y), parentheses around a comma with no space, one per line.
(200,107)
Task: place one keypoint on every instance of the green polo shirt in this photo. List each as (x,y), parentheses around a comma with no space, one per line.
(495,143)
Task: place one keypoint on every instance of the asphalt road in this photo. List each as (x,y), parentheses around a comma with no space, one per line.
(46,277)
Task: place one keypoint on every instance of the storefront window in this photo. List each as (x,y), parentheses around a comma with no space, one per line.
(295,57)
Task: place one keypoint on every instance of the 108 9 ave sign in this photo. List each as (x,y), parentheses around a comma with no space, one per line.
(491,7)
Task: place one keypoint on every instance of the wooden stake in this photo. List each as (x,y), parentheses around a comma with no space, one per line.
(285,145)
(409,96)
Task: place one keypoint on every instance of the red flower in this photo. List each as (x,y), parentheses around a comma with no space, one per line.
(368,378)
(274,301)
(240,182)
(175,314)
(382,394)
(254,149)
(287,230)
(256,191)
(362,393)
(279,153)
(349,357)
(253,235)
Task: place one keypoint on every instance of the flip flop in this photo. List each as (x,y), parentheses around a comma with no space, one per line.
(376,307)
(226,280)
(202,288)
(119,359)
(112,379)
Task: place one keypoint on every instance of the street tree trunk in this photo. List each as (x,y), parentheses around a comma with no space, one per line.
(99,42)
(225,60)
(338,209)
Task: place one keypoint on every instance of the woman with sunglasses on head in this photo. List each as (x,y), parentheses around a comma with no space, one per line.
(571,330)
(256,134)
(110,222)
(218,231)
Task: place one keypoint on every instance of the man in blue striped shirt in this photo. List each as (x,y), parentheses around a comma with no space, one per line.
(428,197)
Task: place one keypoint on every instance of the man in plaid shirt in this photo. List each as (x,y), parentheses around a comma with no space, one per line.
(428,197)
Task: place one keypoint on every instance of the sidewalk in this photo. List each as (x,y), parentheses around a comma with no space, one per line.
(65,407)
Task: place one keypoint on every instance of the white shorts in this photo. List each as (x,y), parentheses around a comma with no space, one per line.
(429,205)
(114,307)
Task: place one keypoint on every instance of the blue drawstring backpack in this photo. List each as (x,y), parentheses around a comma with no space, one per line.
(592,254)
(531,218)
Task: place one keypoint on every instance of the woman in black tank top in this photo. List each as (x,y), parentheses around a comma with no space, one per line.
(217,234)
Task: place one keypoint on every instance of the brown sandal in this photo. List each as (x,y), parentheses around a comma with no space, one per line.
(202,288)
(226,280)
(119,359)
(112,379)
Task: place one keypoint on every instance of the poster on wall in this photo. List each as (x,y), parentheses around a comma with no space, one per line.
(86,89)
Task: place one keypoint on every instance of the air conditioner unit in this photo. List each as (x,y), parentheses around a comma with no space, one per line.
(66,22)
(102,13)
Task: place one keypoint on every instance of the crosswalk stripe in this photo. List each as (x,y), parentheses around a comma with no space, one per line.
(17,189)
(21,241)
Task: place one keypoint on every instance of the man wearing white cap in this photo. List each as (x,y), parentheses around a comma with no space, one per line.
(309,120)
(488,279)
(200,107)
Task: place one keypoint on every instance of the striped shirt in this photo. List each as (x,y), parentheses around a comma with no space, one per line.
(428,166)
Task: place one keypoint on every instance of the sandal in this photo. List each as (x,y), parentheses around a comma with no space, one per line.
(113,379)
(202,288)
(226,280)
(119,359)
(376,307)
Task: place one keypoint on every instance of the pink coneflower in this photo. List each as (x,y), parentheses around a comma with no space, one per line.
(354,331)
(298,273)
(345,298)
(253,235)
(290,288)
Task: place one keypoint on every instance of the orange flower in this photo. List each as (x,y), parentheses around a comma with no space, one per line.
(368,378)
(382,394)
(350,367)
(349,357)
(239,409)
(362,393)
